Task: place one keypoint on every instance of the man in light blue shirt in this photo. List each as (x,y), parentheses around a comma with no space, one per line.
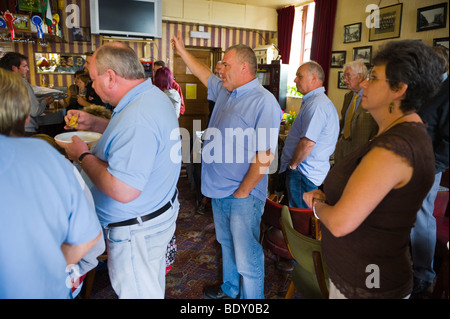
(312,137)
(133,168)
(239,144)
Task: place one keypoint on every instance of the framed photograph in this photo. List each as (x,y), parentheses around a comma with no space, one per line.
(57,63)
(338,59)
(81,34)
(363,53)
(432,17)
(341,82)
(390,22)
(352,32)
(22,22)
(441,42)
(32,6)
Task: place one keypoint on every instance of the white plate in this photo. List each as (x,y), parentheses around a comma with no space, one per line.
(87,137)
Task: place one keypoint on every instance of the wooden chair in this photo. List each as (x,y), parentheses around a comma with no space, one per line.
(310,275)
(271,234)
(272,238)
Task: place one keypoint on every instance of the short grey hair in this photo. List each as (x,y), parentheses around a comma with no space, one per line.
(358,67)
(245,54)
(121,59)
(315,68)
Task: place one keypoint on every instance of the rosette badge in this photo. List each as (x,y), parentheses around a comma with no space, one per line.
(37,21)
(9,18)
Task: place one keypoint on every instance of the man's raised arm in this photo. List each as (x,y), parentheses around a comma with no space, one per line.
(201,71)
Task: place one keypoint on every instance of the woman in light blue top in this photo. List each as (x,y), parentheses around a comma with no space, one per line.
(47,222)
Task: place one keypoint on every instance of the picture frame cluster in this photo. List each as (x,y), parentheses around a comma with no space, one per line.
(385,23)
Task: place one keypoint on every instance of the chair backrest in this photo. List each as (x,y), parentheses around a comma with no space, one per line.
(272,213)
(304,222)
(307,252)
(303,219)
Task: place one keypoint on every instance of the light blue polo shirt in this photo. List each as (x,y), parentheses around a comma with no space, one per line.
(141,145)
(317,120)
(243,122)
(42,206)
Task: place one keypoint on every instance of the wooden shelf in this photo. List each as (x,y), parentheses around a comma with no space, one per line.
(24,34)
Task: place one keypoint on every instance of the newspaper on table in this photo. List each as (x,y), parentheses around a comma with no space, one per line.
(42,92)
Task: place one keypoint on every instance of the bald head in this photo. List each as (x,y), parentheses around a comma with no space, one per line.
(121,59)
(115,70)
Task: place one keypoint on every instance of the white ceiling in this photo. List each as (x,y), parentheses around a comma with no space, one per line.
(267,3)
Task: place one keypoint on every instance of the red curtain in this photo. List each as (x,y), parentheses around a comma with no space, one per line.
(322,40)
(285,25)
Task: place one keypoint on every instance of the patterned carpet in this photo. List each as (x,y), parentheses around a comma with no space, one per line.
(198,261)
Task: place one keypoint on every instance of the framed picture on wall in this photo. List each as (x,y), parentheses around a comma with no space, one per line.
(352,32)
(82,34)
(32,6)
(22,22)
(57,63)
(432,17)
(441,42)
(338,59)
(341,82)
(363,53)
(390,22)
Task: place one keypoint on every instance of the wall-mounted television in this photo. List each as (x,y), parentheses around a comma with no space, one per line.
(126,18)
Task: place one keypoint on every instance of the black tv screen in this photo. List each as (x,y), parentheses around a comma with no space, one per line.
(135,18)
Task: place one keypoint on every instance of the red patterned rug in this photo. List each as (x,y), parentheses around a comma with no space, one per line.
(198,262)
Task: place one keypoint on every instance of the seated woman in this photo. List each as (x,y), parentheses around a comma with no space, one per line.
(81,81)
(163,80)
(370,199)
(71,101)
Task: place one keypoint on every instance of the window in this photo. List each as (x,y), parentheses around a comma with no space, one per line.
(301,38)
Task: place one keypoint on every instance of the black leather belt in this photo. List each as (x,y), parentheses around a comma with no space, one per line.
(156,213)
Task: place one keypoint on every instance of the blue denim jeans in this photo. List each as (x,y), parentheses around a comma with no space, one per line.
(423,236)
(296,185)
(137,256)
(237,223)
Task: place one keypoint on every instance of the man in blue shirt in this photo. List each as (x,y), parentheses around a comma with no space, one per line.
(239,144)
(312,137)
(134,169)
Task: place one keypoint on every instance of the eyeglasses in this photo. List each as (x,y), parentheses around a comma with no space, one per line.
(371,78)
(348,76)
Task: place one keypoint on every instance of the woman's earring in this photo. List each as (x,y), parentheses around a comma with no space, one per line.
(391,107)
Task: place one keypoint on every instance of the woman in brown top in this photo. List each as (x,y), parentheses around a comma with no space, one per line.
(371,198)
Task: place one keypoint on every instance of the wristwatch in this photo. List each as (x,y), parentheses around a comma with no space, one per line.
(80,159)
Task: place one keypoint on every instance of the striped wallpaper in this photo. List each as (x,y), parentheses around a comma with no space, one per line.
(158,49)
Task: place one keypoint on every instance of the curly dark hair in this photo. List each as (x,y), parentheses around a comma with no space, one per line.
(414,63)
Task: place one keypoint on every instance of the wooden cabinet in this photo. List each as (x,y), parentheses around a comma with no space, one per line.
(274,78)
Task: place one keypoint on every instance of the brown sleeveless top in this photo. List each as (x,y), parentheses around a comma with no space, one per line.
(377,252)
